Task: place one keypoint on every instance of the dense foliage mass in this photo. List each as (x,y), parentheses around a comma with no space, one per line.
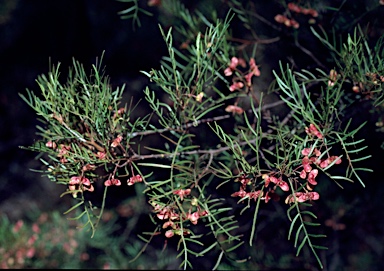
(235,131)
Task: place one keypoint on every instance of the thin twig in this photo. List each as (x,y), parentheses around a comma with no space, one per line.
(186,126)
(306,51)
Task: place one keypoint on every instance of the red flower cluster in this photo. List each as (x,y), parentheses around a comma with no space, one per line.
(310,174)
(309,159)
(64,149)
(172,215)
(51,144)
(182,193)
(253,71)
(252,195)
(234,109)
(117,141)
(244,181)
(194,217)
(238,83)
(306,11)
(271,194)
(302,196)
(80,182)
(295,8)
(278,182)
(112,181)
(332,78)
(233,65)
(101,155)
(117,182)
(286,21)
(166,212)
(134,179)
(312,130)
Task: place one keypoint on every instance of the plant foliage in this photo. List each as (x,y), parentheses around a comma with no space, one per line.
(219,153)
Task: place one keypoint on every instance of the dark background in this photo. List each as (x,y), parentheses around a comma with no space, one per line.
(34,34)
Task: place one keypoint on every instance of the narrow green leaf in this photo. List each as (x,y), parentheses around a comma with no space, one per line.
(201,253)
(298,233)
(311,223)
(319,247)
(77,217)
(363,169)
(154,165)
(235,246)
(361,158)
(308,213)
(74,207)
(194,241)
(342,178)
(357,150)
(301,245)
(218,260)
(316,235)
(292,225)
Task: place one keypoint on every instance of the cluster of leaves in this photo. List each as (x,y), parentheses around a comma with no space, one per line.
(89,141)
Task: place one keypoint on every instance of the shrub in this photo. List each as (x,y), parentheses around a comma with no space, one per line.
(220,139)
